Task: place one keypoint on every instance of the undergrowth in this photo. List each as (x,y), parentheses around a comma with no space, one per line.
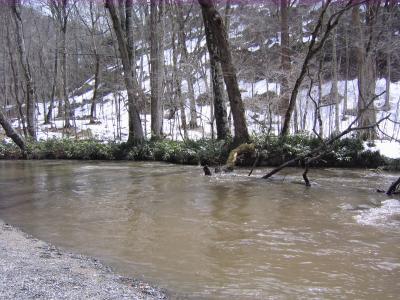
(347,152)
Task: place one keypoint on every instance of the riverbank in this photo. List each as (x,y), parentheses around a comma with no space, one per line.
(33,269)
(267,151)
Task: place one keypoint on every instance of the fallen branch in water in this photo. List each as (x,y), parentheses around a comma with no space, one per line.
(393,187)
(255,163)
(327,146)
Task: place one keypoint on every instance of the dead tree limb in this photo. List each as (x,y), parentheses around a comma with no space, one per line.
(393,187)
(306,168)
(317,105)
(385,134)
(11,132)
(326,146)
(255,163)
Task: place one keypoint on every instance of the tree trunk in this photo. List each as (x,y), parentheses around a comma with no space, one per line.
(11,132)
(54,84)
(177,79)
(64,62)
(129,32)
(389,13)
(14,69)
(186,67)
(386,106)
(218,87)
(221,116)
(313,48)
(135,125)
(212,20)
(67,104)
(366,74)
(347,76)
(30,86)
(318,111)
(156,67)
(285,57)
(334,89)
(95,90)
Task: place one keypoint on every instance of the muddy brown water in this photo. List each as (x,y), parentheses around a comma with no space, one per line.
(228,236)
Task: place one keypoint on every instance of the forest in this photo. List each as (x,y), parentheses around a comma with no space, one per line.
(171,143)
(137,70)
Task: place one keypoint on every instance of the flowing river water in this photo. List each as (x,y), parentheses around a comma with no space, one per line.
(226,236)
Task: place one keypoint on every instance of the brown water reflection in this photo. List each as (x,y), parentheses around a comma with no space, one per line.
(220,237)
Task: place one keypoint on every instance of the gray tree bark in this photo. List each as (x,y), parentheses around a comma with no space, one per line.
(347,76)
(156,67)
(54,84)
(334,89)
(215,24)
(95,89)
(366,73)
(285,57)
(187,67)
(220,114)
(177,79)
(135,125)
(11,132)
(386,106)
(30,85)
(67,104)
(14,69)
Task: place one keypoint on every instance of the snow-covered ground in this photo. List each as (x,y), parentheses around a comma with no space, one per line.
(112,128)
(386,148)
(113,116)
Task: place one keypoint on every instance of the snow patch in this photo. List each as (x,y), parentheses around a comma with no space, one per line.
(386,148)
(254,48)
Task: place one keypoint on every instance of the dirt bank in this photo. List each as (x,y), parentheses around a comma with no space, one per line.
(33,269)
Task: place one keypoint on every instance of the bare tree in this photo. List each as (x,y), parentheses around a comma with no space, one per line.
(15,74)
(54,82)
(366,65)
(135,125)
(30,85)
(285,55)
(156,65)
(62,10)
(218,85)
(215,26)
(177,61)
(186,65)
(313,48)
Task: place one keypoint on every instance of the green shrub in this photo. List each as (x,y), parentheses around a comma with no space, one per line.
(347,152)
(71,149)
(9,151)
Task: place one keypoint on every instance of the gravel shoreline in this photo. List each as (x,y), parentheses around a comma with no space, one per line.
(33,269)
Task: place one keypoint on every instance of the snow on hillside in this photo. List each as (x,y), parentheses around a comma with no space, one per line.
(109,128)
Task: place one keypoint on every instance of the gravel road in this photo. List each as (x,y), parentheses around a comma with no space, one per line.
(33,269)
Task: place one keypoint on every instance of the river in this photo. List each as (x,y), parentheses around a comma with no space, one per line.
(226,236)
